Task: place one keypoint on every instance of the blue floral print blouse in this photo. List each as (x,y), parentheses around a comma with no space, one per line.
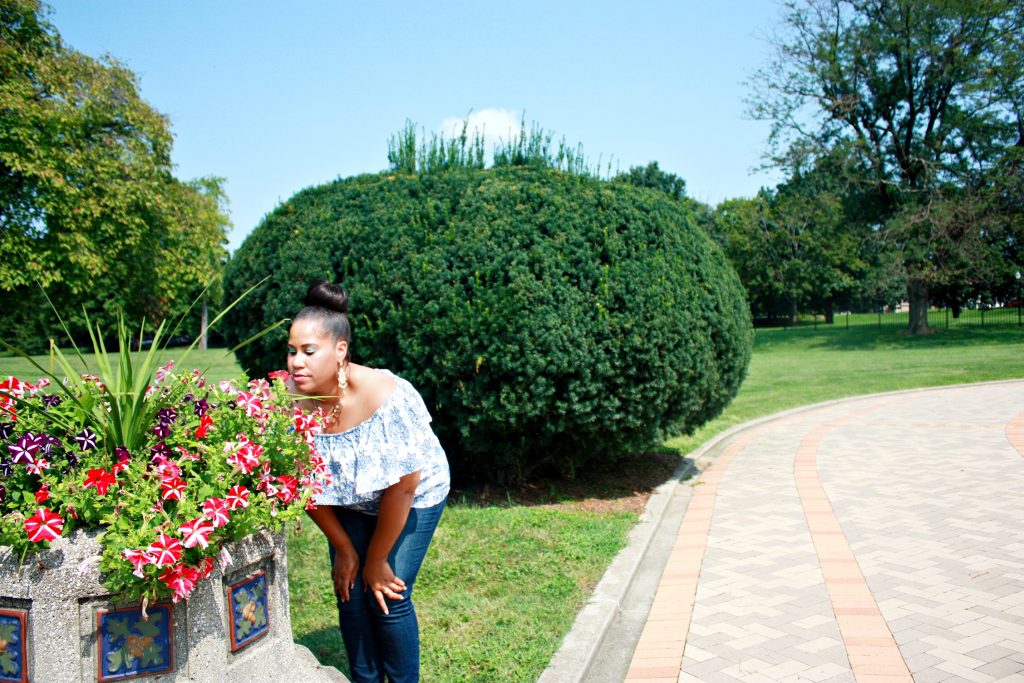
(396,440)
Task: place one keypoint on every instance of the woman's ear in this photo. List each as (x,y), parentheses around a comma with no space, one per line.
(342,350)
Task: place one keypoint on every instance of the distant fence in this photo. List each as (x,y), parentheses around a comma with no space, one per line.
(942,318)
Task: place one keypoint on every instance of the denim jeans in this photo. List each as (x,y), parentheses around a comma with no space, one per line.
(378,643)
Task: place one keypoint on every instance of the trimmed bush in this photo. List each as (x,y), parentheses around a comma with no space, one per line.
(548,318)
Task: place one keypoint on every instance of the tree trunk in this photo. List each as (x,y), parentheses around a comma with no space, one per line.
(830,316)
(917,293)
(792,311)
(202,328)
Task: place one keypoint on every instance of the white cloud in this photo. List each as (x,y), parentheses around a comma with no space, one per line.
(495,125)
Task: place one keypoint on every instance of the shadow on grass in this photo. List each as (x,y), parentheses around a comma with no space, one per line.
(625,484)
(867,338)
(327,647)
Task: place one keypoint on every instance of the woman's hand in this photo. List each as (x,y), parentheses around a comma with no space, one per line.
(345,571)
(382,582)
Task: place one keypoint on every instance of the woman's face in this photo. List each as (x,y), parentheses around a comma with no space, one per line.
(313,359)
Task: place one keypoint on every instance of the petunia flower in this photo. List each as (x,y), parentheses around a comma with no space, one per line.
(6,429)
(24,449)
(172,489)
(139,559)
(86,439)
(216,510)
(205,422)
(163,372)
(180,579)
(38,466)
(99,479)
(196,532)
(44,525)
(51,401)
(165,550)
(43,494)
(279,374)
(252,403)
(238,497)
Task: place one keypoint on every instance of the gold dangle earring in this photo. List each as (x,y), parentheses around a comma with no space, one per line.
(342,382)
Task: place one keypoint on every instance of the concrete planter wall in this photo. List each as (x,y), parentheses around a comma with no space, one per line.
(59,624)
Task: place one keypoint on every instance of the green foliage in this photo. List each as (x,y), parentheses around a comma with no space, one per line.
(89,207)
(923,102)
(549,319)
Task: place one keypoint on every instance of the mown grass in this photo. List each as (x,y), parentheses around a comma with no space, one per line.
(803,365)
(503,581)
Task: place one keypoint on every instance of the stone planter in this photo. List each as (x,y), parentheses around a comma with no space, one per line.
(59,624)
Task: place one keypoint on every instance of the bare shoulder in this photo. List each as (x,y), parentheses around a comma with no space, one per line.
(376,386)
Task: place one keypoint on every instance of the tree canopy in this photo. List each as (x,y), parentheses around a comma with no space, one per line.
(922,103)
(89,207)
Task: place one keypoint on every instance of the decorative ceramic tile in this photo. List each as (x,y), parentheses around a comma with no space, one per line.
(13,649)
(131,646)
(247,610)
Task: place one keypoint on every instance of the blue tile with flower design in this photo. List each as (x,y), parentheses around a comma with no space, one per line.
(13,650)
(247,610)
(131,646)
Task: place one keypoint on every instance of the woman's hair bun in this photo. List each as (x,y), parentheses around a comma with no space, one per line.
(324,294)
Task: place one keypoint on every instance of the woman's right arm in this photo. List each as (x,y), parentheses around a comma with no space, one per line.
(346,560)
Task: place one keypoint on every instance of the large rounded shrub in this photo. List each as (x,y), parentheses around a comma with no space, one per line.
(547,318)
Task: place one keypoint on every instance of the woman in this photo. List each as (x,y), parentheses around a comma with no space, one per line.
(389,483)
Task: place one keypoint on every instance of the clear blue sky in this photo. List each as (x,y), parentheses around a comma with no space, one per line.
(277,96)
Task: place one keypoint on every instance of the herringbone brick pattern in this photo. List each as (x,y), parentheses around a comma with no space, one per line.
(866,541)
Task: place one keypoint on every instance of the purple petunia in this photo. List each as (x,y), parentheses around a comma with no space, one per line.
(201,406)
(161,430)
(122,453)
(86,439)
(6,467)
(6,429)
(25,449)
(166,415)
(51,401)
(159,450)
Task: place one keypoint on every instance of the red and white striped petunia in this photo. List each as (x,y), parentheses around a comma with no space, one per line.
(216,510)
(139,559)
(238,497)
(196,532)
(172,488)
(252,403)
(44,526)
(165,550)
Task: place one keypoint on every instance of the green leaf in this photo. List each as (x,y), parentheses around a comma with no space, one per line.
(152,654)
(149,627)
(119,627)
(116,659)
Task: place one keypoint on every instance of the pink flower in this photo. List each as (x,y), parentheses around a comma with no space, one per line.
(216,510)
(99,479)
(238,497)
(185,454)
(252,404)
(139,559)
(247,457)
(163,372)
(279,374)
(44,526)
(172,488)
(196,532)
(261,387)
(165,550)
(43,493)
(38,465)
(180,579)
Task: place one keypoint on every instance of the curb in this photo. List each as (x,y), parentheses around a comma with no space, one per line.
(574,657)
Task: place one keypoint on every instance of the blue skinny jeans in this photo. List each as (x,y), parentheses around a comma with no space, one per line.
(381,644)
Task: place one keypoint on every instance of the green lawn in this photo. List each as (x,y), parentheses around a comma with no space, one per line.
(502,582)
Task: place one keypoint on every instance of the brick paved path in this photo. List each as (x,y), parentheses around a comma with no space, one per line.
(875,540)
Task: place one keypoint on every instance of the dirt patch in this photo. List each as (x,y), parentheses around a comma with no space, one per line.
(624,486)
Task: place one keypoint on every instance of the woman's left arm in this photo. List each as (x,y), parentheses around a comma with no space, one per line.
(395,503)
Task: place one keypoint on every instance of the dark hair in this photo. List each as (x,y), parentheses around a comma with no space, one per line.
(327,304)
